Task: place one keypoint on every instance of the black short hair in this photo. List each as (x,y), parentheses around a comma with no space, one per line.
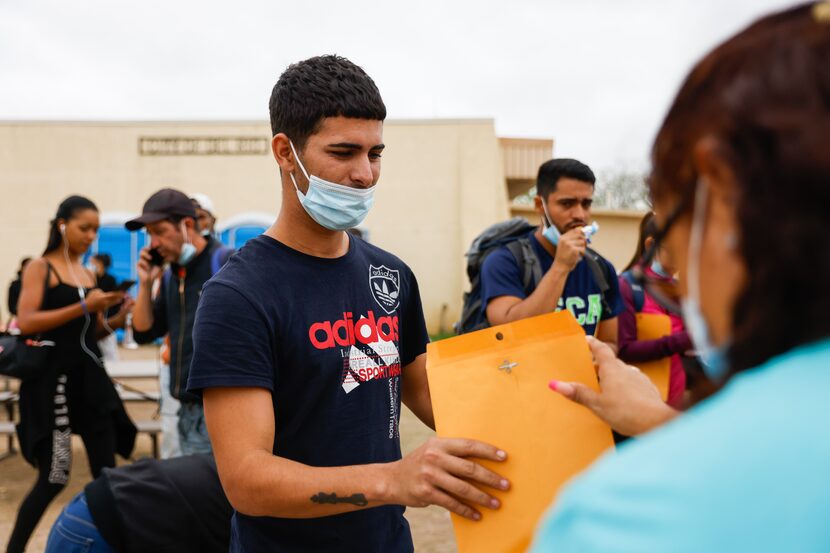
(104,258)
(551,171)
(320,87)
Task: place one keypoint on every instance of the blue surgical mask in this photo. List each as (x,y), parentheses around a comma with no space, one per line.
(334,206)
(188,250)
(658,268)
(712,358)
(551,233)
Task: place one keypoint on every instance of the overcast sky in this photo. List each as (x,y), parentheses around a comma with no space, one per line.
(597,76)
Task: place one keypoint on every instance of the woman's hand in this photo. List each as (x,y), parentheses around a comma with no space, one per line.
(98,300)
(627,401)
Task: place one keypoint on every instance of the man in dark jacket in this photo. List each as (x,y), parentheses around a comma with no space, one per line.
(175,505)
(170,220)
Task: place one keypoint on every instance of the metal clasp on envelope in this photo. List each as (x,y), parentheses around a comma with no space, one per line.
(507,366)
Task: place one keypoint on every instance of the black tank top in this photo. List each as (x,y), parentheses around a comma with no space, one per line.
(67,337)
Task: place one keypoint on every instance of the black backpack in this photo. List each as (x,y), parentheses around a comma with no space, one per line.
(513,235)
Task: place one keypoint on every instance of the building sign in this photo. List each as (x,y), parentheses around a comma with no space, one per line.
(203,145)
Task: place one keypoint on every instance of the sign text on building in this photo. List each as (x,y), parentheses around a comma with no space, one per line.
(203,145)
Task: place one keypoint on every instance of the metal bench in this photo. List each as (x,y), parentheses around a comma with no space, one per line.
(7,429)
(153,428)
(131,395)
(149,427)
(133,369)
(9,398)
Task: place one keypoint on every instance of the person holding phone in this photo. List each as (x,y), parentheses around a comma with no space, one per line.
(170,220)
(60,301)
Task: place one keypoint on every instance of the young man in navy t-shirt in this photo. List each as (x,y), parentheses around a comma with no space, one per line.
(308,340)
(565,189)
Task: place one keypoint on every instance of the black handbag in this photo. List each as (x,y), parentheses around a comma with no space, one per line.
(24,357)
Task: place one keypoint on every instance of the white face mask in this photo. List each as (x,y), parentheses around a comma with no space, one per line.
(188,250)
(712,357)
(334,206)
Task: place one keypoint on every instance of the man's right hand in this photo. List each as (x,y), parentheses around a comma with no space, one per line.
(571,249)
(443,472)
(147,272)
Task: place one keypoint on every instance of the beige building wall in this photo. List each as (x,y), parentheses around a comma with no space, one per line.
(617,236)
(441,183)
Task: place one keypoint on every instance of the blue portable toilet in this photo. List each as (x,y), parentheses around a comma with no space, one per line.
(237,230)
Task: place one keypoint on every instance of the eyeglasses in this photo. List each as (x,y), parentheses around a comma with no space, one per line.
(664,291)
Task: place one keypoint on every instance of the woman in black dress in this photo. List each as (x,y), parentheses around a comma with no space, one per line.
(73,394)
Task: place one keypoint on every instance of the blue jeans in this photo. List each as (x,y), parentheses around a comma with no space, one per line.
(75,532)
(193,434)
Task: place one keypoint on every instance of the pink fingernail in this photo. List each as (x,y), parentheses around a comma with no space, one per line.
(553,385)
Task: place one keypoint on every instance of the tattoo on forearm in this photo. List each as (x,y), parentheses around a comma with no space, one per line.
(323,498)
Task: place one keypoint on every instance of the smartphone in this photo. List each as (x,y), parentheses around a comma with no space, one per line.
(156,258)
(125,285)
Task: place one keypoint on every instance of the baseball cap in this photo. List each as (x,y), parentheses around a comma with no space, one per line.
(164,204)
(204,201)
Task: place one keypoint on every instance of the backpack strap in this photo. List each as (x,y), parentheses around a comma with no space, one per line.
(638,295)
(218,258)
(531,269)
(600,275)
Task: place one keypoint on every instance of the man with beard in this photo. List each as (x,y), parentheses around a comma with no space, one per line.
(573,277)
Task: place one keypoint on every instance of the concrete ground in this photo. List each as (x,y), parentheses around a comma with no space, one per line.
(431,527)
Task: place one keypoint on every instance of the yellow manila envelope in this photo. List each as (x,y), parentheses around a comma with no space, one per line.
(492,385)
(651,326)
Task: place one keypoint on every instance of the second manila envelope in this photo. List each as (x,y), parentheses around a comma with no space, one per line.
(651,326)
(492,385)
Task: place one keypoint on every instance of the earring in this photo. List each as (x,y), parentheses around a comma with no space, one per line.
(63,228)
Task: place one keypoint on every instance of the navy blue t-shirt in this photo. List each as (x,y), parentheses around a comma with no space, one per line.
(328,338)
(500,276)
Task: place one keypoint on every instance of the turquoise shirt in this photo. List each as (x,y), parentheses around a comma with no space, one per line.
(746,470)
